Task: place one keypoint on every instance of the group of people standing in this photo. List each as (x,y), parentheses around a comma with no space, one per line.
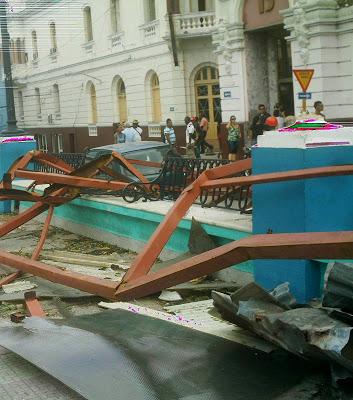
(125,132)
(196,133)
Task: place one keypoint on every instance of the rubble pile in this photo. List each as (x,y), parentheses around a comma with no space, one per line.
(318,332)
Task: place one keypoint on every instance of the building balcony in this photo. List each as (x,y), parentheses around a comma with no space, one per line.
(150,32)
(196,24)
(88,46)
(116,40)
(53,54)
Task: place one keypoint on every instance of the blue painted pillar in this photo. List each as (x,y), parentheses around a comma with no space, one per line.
(9,153)
(315,205)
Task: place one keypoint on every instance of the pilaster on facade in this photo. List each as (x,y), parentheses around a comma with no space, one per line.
(320,33)
(229,43)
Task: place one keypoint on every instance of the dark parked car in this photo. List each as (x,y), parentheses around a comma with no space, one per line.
(143,151)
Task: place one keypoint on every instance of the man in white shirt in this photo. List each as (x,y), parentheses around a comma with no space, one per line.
(131,135)
(190,132)
(135,125)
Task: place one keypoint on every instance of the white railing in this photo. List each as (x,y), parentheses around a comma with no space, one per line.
(150,31)
(154,130)
(201,23)
(92,130)
(117,40)
(88,46)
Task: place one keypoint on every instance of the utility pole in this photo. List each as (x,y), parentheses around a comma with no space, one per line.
(11,113)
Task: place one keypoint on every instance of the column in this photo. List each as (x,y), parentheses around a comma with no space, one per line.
(229,40)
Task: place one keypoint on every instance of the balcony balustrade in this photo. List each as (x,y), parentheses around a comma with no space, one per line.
(196,24)
(150,32)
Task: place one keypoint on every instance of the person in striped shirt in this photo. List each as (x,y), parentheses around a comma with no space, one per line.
(169,133)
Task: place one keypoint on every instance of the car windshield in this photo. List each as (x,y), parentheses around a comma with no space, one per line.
(156,155)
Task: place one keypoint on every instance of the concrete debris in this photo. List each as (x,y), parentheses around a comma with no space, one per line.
(199,240)
(18,286)
(113,261)
(283,295)
(17,317)
(307,332)
(168,295)
(338,291)
(103,273)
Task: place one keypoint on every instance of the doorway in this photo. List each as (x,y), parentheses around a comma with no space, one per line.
(269,69)
(208,98)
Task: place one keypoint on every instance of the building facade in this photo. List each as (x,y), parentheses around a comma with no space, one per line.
(87,64)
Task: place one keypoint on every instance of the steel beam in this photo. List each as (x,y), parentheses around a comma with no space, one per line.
(69,180)
(309,173)
(10,278)
(86,283)
(22,218)
(34,308)
(145,260)
(322,245)
(44,234)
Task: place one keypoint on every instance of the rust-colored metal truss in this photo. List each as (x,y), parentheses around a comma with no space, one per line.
(139,281)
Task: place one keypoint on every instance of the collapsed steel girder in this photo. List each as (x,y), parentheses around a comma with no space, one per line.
(139,281)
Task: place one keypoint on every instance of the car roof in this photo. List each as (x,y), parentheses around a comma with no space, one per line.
(124,148)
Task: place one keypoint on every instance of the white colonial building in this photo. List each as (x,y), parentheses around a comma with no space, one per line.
(80,65)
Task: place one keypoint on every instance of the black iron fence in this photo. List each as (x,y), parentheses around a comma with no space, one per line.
(75,160)
(175,175)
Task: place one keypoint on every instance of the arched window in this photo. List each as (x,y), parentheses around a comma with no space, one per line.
(87,17)
(53,41)
(35,45)
(121,100)
(150,10)
(56,99)
(93,104)
(20,106)
(115,16)
(38,102)
(156,99)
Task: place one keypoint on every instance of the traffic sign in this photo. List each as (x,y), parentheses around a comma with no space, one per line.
(304,96)
(304,77)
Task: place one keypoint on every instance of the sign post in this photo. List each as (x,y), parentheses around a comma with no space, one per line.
(304,77)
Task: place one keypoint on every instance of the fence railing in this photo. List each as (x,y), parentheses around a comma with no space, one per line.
(75,160)
(195,24)
(176,174)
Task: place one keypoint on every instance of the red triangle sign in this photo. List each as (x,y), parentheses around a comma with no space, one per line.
(304,77)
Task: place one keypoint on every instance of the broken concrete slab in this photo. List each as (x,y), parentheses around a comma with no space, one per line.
(169,296)
(306,332)
(18,286)
(103,273)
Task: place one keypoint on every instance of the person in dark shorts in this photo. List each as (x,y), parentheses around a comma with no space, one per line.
(234,136)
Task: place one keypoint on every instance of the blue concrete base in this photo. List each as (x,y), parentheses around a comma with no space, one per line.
(314,205)
(9,153)
(5,207)
(304,276)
